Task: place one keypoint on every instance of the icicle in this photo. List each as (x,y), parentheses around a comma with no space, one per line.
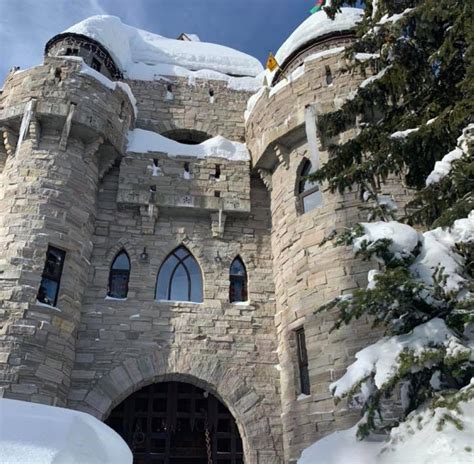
(310,126)
(25,124)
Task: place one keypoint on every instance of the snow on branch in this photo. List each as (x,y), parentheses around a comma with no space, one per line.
(385,359)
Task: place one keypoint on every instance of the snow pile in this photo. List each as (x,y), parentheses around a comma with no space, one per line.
(426,437)
(442,168)
(382,359)
(144,55)
(34,433)
(143,141)
(318,25)
(432,250)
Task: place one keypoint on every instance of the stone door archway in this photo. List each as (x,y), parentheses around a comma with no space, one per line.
(177,423)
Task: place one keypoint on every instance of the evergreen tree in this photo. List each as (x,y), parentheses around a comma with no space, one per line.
(415,108)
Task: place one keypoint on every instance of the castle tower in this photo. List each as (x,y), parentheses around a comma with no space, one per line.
(313,79)
(60,134)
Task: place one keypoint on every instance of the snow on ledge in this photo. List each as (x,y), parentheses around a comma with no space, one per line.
(134,50)
(35,433)
(143,141)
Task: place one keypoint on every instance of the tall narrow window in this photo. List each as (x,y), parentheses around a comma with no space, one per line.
(179,278)
(51,277)
(119,276)
(302,361)
(309,194)
(238,281)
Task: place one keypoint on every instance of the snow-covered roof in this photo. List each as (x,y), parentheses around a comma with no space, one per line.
(143,141)
(134,49)
(318,25)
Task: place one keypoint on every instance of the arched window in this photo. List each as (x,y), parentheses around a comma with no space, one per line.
(119,276)
(179,278)
(308,192)
(238,281)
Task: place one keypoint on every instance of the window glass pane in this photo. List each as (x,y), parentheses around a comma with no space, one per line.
(181,252)
(164,277)
(196,279)
(312,200)
(237,268)
(236,290)
(121,262)
(48,291)
(53,264)
(180,285)
(119,284)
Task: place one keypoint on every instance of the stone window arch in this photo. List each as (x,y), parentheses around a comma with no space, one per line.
(119,275)
(309,194)
(180,278)
(238,281)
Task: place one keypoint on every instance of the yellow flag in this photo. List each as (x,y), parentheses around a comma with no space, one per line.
(272,63)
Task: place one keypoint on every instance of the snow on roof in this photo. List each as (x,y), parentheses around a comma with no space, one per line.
(35,433)
(143,141)
(133,48)
(318,25)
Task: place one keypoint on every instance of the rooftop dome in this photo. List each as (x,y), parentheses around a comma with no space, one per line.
(139,53)
(317,26)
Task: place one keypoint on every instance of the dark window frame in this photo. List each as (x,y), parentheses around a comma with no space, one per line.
(181,261)
(119,272)
(55,276)
(237,278)
(305,170)
(302,354)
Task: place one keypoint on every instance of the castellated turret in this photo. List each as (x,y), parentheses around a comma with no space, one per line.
(159,242)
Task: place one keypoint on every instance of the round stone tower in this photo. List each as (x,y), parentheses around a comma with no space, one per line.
(313,78)
(61,133)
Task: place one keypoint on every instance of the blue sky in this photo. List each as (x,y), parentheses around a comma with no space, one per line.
(252,26)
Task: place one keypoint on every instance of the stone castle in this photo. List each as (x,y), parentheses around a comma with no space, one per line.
(160,258)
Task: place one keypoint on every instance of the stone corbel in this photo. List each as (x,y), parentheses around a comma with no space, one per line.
(266,177)
(67,127)
(218,224)
(10,139)
(149,215)
(282,155)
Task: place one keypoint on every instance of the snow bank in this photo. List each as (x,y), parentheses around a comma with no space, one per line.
(143,141)
(341,448)
(34,433)
(382,359)
(318,25)
(141,54)
(443,168)
(421,439)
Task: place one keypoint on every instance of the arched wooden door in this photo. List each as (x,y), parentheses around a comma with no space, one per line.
(177,423)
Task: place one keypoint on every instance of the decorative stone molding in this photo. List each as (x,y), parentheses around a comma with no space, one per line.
(282,154)
(149,215)
(10,139)
(218,224)
(266,177)
(67,127)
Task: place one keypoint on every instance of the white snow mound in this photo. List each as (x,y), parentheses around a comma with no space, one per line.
(318,25)
(137,52)
(143,141)
(38,434)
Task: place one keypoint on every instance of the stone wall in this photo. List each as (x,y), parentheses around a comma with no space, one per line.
(189,105)
(228,348)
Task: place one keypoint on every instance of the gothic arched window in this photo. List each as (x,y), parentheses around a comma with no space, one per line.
(308,192)
(119,276)
(238,281)
(179,277)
